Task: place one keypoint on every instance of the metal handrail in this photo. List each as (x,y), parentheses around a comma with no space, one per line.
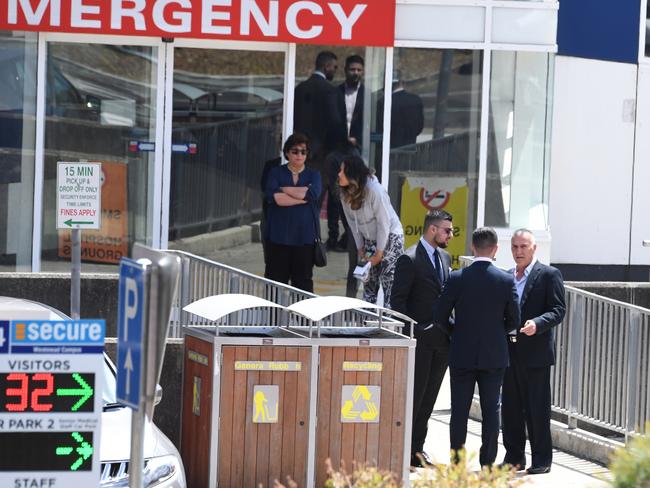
(201,278)
(602,368)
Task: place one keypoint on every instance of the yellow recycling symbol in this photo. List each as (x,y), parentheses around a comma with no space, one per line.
(261,414)
(361,407)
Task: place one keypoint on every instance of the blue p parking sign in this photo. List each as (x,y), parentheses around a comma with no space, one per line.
(131,308)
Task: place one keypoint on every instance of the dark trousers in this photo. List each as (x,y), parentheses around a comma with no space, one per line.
(526,405)
(431,360)
(462,390)
(334,213)
(290,263)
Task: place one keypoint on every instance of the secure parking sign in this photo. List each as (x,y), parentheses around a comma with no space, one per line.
(51,381)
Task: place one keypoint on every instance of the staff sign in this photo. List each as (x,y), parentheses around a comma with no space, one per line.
(79,196)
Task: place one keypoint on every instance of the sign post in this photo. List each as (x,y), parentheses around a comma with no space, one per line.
(51,380)
(146,290)
(78,206)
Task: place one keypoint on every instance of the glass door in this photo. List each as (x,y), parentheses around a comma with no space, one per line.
(103,104)
(226,122)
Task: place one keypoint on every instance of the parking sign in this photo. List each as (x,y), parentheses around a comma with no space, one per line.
(131,309)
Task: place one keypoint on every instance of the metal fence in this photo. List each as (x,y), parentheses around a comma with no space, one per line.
(602,369)
(202,278)
(218,186)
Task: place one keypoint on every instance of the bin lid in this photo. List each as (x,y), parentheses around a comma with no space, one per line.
(217,306)
(320,307)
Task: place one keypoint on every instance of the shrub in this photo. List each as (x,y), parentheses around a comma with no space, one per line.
(630,465)
(440,476)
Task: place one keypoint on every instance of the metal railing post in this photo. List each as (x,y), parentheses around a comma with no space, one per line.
(574,363)
(184,292)
(634,356)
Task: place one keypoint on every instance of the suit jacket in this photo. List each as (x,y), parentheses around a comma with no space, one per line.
(484,298)
(542,301)
(416,285)
(340,128)
(312,112)
(407,118)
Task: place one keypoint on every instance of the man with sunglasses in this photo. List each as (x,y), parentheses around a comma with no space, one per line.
(420,275)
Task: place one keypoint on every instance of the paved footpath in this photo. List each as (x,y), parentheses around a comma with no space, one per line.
(567,471)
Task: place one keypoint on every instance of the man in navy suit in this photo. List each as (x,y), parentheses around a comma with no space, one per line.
(484,299)
(312,108)
(526,388)
(420,274)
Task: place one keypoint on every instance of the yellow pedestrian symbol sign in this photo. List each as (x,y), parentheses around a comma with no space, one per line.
(265,404)
(360,404)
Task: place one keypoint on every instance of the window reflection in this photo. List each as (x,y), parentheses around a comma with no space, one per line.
(227,121)
(100,107)
(435,139)
(17,139)
(518,152)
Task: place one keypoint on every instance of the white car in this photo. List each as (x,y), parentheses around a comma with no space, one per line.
(163,465)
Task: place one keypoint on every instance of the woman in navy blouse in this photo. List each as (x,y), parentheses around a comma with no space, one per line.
(292,192)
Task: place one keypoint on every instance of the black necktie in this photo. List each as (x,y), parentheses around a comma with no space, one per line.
(438,266)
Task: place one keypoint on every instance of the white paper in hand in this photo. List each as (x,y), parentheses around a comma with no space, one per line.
(362,272)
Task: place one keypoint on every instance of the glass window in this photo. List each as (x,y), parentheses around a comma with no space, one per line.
(17,140)
(340,116)
(101,106)
(227,122)
(518,146)
(357,130)
(434,139)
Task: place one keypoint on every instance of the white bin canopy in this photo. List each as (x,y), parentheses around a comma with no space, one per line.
(218,306)
(320,307)
(315,309)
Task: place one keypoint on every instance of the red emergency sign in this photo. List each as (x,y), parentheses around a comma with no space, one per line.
(347,22)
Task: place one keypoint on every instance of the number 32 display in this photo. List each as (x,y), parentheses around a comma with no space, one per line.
(47,392)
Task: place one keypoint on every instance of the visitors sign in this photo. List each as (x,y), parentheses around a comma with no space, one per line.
(51,379)
(78,196)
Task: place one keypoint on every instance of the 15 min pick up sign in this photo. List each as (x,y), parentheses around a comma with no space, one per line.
(78,196)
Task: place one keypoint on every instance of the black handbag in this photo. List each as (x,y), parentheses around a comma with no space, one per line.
(320,253)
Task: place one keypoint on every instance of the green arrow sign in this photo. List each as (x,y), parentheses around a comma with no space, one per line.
(83,450)
(71,222)
(85,392)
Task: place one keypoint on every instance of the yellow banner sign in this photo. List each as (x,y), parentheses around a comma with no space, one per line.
(268,365)
(422,194)
(361,366)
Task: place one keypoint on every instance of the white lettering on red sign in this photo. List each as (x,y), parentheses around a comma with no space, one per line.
(356,22)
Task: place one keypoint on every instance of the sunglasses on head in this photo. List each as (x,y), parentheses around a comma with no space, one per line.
(299,151)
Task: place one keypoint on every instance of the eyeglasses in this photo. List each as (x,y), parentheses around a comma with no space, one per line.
(299,151)
(447,230)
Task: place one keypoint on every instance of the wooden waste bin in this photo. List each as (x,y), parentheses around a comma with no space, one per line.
(246,407)
(270,402)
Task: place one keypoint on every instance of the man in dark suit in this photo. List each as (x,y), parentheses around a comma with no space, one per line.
(420,274)
(407,115)
(484,299)
(346,138)
(348,107)
(526,399)
(312,107)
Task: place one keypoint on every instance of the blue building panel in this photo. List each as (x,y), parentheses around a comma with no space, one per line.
(599,29)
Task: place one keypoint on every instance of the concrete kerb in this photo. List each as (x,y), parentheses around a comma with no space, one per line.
(205,244)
